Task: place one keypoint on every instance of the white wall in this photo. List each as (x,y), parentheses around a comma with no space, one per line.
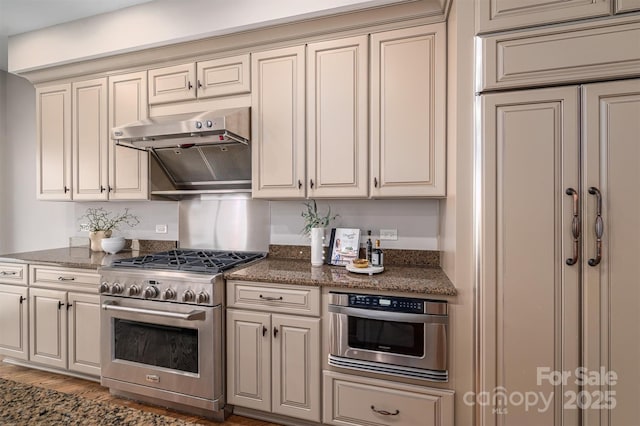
(159,23)
(29,224)
(415,220)
(3,161)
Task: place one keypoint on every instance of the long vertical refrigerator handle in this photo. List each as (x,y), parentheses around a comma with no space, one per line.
(575,227)
(598,226)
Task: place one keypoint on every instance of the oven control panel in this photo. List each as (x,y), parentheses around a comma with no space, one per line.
(397,304)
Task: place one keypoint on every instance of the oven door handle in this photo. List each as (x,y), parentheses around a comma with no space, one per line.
(389,316)
(189,316)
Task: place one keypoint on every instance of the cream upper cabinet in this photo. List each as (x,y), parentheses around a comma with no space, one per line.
(128,168)
(53,136)
(498,15)
(408,105)
(206,79)
(90,140)
(530,296)
(278,123)
(337,111)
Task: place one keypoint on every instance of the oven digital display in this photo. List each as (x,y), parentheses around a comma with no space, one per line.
(384,302)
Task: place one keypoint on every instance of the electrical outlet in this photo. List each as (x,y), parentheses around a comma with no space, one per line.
(161,229)
(389,234)
(84,227)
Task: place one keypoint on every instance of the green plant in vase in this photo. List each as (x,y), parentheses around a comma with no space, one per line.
(314,225)
(102,223)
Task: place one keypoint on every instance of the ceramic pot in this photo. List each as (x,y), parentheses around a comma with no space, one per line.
(96,239)
(317,251)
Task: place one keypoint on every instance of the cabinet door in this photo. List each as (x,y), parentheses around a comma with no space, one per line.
(296,366)
(128,168)
(337,110)
(496,15)
(89,140)
(611,292)
(627,6)
(223,77)
(84,333)
(278,123)
(408,103)
(529,295)
(13,321)
(48,327)
(53,136)
(171,84)
(249,359)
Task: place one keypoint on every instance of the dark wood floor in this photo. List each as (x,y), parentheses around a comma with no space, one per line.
(94,391)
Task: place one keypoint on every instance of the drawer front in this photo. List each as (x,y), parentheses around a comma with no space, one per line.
(274,298)
(352,400)
(14,273)
(64,279)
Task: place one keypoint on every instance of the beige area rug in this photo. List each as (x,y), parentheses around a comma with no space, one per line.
(23,404)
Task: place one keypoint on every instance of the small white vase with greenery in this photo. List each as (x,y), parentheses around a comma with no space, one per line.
(314,226)
(102,223)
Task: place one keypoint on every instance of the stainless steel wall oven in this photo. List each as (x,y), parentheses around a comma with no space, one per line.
(391,335)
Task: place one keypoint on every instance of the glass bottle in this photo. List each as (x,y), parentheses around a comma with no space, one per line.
(377,256)
(369,246)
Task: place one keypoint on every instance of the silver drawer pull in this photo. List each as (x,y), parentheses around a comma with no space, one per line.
(5,273)
(270,298)
(66,279)
(384,412)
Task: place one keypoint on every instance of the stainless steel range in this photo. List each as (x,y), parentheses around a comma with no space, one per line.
(163,328)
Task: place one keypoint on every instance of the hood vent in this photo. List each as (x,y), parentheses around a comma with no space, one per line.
(192,154)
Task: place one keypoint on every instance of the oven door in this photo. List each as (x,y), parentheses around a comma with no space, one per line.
(404,344)
(164,346)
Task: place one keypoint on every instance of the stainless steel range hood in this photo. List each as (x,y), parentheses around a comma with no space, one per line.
(191,154)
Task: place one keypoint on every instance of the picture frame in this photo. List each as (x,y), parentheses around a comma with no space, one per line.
(344,246)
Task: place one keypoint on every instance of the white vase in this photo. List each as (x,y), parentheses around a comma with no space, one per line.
(96,239)
(317,251)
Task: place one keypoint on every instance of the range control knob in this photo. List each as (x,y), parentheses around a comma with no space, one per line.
(116,288)
(202,297)
(209,123)
(169,294)
(198,125)
(150,292)
(134,290)
(188,296)
(104,287)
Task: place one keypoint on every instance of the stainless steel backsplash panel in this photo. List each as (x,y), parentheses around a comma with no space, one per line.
(233,222)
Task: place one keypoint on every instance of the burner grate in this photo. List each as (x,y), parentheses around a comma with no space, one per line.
(210,261)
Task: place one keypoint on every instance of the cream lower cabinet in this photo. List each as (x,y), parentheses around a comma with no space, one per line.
(273,359)
(64,326)
(361,401)
(14,338)
(408,105)
(558,285)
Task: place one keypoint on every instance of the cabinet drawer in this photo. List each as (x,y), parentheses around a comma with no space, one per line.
(14,273)
(274,298)
(64,278)
(352,400)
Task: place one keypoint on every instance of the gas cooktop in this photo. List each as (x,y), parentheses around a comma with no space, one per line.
(192,260)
